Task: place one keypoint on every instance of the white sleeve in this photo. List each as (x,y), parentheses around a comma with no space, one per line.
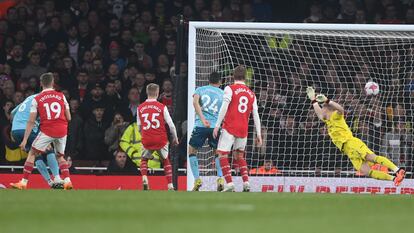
(228,93)
(33,107)
(256,118)
(138,120)
(66,103)
(170,122)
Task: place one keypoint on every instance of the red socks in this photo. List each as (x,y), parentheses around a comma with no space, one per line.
(225,168)
(64,169)
(243,169)
(27,170)
(168,170)
(144,167)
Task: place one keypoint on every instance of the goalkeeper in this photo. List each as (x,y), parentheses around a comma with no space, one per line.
(361,156)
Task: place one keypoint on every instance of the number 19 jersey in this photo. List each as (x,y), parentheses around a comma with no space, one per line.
(211,99)
(241,98)
(50,106)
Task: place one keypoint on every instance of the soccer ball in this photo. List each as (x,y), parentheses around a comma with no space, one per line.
(372,88)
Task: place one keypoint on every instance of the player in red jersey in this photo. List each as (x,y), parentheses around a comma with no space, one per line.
(54,114)
(152,116)
(238,102)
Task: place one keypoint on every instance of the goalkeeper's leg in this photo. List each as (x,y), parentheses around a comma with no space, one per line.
(399,173)
(379,175)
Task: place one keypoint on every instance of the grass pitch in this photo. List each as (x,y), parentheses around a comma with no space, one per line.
(74,211)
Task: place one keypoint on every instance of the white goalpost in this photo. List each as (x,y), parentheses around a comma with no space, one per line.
(337,60)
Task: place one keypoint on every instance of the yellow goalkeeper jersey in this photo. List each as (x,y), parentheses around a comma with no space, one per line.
(338,130)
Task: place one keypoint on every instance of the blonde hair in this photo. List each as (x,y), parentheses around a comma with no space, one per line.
(153,89)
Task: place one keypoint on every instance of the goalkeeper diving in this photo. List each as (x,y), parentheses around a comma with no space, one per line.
(362,158)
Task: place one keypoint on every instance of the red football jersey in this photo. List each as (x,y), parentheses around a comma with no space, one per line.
(236,120)
(151,118)
(50,106)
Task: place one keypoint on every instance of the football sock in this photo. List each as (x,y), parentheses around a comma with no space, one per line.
(243,170)
(380,175)
(218,167)
(53,164)
(168,170)
(194,166)
(64,169)
(386,162)
(27,170)
(41,167)
(225,168)
(144,167)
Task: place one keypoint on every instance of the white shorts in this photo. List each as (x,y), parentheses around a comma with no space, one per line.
(163,152)
(42,142)
(227,140)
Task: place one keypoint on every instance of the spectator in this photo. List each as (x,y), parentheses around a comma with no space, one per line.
(163,70)
(132,104)
(266,169)
(94,133)
(131,143)
(17,62)
(55,34)
(154,46)
(96,98)
(144,60)
(315,14)
(97,74)
(114,132)
(33,68)
(166,96)
(75,131)
(391,15)
(73,43)
(121,164)
(114,56)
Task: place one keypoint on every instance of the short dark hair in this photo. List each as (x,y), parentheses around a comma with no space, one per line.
(239,73)
(214,78)
(46,79)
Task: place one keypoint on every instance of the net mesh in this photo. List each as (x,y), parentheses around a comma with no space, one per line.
(282,63)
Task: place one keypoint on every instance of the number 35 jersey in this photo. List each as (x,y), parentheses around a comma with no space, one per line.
(242,100)
(152,117)
(211,99)
(50,106)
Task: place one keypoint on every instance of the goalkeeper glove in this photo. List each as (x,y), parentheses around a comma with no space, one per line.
(311,93)
(321,98)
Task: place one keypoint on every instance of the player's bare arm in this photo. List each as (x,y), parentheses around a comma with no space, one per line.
(199,112)
(29,128)
(68,115)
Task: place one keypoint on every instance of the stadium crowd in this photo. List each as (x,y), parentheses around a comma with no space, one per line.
(103,54)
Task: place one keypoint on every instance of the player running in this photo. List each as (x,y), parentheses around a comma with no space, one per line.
(53,110)
(238,102)
(207,101)
(20,116)
(151,119)
(362,158)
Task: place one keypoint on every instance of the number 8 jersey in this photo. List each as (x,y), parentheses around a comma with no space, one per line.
(241,99)
(50,106)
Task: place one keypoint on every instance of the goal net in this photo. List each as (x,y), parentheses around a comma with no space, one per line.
(337,60)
